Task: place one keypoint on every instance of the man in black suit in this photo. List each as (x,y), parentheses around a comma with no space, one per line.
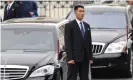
(11,10)
(28,8)
(78,46)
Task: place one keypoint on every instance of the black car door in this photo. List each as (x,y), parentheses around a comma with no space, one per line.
(62,58)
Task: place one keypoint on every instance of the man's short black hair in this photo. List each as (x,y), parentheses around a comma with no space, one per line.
(78,6)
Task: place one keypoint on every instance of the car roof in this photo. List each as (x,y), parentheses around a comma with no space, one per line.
(29,25)
(109,4)
(107,7)
(33,20)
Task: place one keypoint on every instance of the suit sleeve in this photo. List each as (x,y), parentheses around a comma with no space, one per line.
(33,7)
(34,4)
(68,41)
(90,45)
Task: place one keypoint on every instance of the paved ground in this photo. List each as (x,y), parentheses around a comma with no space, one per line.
(109,74)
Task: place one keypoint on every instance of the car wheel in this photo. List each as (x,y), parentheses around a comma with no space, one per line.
(129,70)
(58,76)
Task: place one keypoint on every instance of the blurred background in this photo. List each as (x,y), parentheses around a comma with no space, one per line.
(58,8)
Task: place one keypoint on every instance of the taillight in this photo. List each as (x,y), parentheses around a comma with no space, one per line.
(58,48)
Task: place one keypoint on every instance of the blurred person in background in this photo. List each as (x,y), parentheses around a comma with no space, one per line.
(130,2)
(34,8)
(28,8)
(11,10)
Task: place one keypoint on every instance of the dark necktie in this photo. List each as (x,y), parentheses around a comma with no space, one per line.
(8,8)
(82,29)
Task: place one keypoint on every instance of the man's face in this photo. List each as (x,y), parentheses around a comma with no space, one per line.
(79,13)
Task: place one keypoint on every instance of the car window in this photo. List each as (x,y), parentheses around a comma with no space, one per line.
(27,39)
(107,19)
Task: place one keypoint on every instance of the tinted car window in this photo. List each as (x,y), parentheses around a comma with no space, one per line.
(108,19)
(27,38)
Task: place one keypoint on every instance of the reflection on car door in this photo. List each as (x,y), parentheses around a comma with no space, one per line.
(63,59)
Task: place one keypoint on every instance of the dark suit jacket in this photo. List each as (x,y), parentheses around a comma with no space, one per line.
(77,48)
(26,7)
(34,8)
(13,12)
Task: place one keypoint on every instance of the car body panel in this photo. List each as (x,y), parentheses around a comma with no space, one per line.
(34,59)
(25,58)
(113,33)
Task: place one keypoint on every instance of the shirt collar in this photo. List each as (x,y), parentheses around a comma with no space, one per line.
(78,21)
(10,4)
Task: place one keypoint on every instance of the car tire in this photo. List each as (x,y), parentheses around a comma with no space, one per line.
(58,76)
(129,65)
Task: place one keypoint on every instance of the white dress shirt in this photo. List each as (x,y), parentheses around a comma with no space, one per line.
(10,5)
(78,21)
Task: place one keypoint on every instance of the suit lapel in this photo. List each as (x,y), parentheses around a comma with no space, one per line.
(86,29)
(5,12)
(85,26)
(11,8)
(77,28)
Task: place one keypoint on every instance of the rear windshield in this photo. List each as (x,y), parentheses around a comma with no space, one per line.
(27,39)
(107,19)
